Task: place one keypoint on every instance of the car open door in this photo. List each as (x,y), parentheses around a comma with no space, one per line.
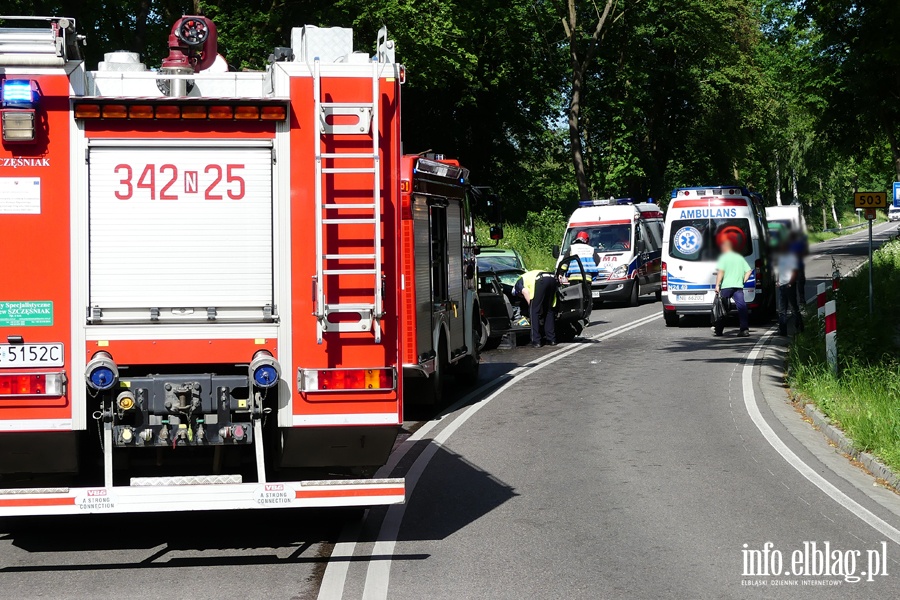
(494,305)
(574,302)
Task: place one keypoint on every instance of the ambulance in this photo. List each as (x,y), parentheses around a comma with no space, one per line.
(619,243)
(697,221)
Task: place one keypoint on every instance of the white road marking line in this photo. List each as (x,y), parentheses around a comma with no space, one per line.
(379,572)
(883,527)
(335,576)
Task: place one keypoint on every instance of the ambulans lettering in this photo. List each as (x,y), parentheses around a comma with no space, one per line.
(159,182)
(708,213)
(16,162)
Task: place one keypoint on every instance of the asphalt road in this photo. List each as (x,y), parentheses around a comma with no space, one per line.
(629,467)
(625,466)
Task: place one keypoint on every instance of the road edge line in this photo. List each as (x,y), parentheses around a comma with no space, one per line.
(752,407)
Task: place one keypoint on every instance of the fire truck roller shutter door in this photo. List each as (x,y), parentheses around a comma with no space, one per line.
(422,223)
(180,228)
(456,279)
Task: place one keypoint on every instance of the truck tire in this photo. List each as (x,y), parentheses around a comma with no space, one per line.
(671,318)
(466,369)
(658,295)
(429,391)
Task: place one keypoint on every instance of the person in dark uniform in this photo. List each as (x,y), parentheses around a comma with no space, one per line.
(539,290)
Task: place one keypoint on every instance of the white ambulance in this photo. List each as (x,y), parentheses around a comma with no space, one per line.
(697,221)
(619,244)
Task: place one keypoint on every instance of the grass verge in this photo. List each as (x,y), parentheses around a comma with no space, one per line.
(863,399)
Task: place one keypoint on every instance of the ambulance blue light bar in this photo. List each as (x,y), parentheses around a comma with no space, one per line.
(607,202)
(19,93)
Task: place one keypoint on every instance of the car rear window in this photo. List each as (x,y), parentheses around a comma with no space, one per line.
(698,239)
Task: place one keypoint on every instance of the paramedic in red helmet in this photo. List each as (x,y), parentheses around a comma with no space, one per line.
(582,248)
(733,273)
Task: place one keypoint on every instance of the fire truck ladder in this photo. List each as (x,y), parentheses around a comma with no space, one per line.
(332,213)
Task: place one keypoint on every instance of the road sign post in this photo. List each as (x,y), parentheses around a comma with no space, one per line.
(870,201)
(870,217)
(831,335)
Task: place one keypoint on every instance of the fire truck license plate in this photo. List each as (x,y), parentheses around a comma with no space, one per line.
(14,356)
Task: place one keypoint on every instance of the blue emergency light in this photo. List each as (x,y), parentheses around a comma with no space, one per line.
(18,93)
(609,202)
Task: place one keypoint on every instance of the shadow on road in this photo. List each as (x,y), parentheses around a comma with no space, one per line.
(452,494)
(255,537)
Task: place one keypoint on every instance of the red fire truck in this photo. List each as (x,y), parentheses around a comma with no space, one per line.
(201,274)
(440,305)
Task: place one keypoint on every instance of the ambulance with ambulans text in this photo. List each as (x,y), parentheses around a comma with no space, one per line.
(619,244)
(698,219)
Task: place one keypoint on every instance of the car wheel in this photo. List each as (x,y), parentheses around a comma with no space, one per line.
(635,293)
(671,318)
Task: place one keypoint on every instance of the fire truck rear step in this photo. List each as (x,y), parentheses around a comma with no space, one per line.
(186,480)
(349,257)
(368,155)
(366,206)
(334,221)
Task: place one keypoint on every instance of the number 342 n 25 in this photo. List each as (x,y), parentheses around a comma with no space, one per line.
(167,182)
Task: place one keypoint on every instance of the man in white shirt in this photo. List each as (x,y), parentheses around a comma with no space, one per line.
(787,268)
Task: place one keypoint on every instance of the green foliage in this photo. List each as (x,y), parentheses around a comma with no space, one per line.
(793,98)
(863,398)
(534,239)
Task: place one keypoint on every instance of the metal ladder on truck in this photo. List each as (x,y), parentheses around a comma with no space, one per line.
(330,213)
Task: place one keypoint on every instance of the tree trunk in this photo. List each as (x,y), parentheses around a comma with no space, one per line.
(581,62)
(777,180)
(836,220)
(822,196)
(575,135)
(795,187)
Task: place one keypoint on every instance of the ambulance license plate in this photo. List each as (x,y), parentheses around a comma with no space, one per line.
(691,297)
(16,356)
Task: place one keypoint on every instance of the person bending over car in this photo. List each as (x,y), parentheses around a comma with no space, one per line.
(539,290)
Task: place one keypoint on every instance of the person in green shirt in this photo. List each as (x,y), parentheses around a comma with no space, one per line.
(734,271)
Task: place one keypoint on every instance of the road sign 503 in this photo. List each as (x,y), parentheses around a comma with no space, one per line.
(870,200)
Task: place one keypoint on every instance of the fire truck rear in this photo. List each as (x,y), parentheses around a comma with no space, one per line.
(199,290)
